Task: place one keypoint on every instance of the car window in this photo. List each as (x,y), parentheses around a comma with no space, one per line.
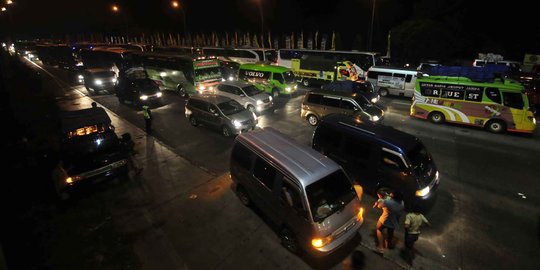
(347,104)
(513,100)
(264,172)
(330,101)
(493,94)
(278,77)
(392,161)
(212,108)
(314,98)
(224,88)
(291,194)
(242,156)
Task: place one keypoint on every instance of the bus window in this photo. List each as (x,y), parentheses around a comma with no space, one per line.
(271,55)
(513,100)
(408,78)
(493,94)
(278,77)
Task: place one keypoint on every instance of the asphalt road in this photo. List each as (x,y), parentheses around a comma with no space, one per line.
(486,214)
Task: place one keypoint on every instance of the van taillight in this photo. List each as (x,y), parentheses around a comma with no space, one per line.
(367,74)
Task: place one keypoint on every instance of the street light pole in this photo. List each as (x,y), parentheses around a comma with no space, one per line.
(371,27)
(262,22)
(176,5)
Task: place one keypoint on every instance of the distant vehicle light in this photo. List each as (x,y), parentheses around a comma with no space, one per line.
(375,118)
(159,94)
(231,78)
(143,97)
(163,74)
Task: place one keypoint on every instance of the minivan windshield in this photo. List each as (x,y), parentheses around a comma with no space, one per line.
(251,90)
(362,101)
(419,157)
(230,107)
(329,195)
(289,77)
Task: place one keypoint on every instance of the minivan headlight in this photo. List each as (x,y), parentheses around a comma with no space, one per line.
(321,242)
(375,118)
(236,123)
(259,102)
(270,98)
(374,100)
(98,82)
(423,192)
(143,97)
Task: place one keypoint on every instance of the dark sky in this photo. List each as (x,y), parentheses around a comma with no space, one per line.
(513,25)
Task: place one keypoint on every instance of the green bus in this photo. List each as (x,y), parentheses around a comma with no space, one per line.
(185,74)
(274,80)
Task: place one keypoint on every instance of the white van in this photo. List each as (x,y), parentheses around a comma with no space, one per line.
(393,80)
(305,194)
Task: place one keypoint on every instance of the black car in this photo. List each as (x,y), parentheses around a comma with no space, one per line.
(98,80)
(229,69)
(135,87)
(363,88)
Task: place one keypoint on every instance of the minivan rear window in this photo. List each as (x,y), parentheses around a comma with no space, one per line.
(329,195)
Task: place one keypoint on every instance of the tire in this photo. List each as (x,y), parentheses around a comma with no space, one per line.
(193,121)
(312,120)
(496,126)
(251,108)
(383,92)
(289,241)
(436,117)
(243,196)
(305,82)
(225,131)
(182,92)
(275,92)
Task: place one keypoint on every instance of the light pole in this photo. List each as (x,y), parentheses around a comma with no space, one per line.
(370,41)
(176,5)
(262,21)
(116,9)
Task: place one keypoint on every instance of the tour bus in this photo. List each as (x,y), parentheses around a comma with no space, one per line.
(499,105)
(272,79)
(242,55)
(312,70)
(363,60)
(392,80)
(186,74)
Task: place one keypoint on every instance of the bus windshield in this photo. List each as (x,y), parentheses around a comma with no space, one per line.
(271,55)
(289,77)
(329,195)
(210,73)
(230,107)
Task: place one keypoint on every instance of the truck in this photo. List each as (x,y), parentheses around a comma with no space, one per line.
(89,151)
(312,69)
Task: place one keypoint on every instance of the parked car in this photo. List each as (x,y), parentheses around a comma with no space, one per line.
(246,94)
(320,103)
(363,88)
(379,156)
(135,86)
(220,112)
(306,195)
(90,151)
(97,80)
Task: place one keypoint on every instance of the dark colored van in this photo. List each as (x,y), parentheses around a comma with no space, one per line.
(135,86)
(378,156)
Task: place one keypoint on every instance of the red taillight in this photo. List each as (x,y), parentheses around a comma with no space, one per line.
(367,74)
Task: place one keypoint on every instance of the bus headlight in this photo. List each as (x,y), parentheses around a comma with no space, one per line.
(98,82)
(423,192)
(237,124)
(259,102)
(163,74)
(321,242)
(143,97)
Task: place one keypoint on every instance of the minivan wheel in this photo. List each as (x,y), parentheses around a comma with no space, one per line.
(496,126)
(251,108)
(383,92)
(182,92)
(289,241)
(193,121)
(312,120)
(226,131)
(243,196)
(436,117)
(305,82)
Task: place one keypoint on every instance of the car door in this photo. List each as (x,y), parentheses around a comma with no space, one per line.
(358,154)
(330,105)
(392,170)
(293,208)
(347,106)
(225,90)
(214,116)
(264,187)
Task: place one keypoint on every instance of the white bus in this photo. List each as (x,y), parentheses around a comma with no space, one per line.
(395,81)
(242,55)
(363,60)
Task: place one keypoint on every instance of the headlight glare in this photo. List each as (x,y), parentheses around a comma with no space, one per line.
(143,97)
(236,123)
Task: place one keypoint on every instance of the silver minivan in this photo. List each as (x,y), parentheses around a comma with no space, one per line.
(306,195)
(246,94)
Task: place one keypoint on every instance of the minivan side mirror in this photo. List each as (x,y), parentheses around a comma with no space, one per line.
(242,95)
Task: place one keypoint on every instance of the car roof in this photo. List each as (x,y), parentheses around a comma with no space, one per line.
(301,161)
(239,83)
(211,98)
(386,135)
(333,93)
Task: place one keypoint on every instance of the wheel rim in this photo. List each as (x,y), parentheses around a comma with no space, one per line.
(496,127)
(305,82)
(384,92)
(312,120)
(251,109)
(226,132)
(289,241)
(436,117)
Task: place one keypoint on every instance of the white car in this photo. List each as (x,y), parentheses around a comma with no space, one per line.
(247,94)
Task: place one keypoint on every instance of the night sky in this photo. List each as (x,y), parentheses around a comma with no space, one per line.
(513,25)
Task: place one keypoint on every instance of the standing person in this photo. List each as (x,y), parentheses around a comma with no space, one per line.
(389,219)
(413,221)
(147,118)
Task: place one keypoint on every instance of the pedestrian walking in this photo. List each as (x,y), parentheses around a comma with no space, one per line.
(389,219)
(413,221)
(147,118)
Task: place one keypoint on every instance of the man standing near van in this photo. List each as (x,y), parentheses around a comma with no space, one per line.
(389,219)
(413,221)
